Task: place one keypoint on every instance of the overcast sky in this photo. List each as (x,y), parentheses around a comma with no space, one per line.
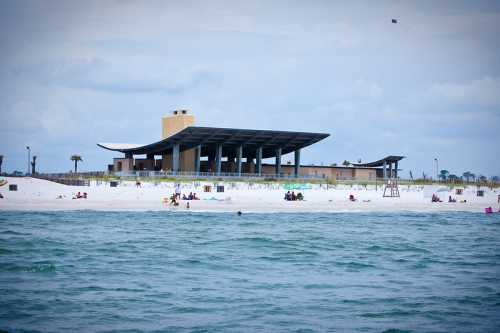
(74,73)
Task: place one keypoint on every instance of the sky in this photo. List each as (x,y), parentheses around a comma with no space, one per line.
(74,73)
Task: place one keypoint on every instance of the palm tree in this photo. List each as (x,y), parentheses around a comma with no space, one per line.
(467,175)
(346,163)
(443,174)
(473,177)
(453,178)
(482,179)
(76,158)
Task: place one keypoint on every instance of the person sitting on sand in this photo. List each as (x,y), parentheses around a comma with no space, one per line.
(84,195)
(435,198)
(1,196)
(173,200)
(288,196)
(352,198)
(300,197)
(450,199)
(294,197)
(184,197)
(138,184)
(190,196)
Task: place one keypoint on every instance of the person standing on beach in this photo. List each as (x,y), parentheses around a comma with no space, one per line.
(178,191)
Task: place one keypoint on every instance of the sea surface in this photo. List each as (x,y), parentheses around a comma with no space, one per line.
(190,272)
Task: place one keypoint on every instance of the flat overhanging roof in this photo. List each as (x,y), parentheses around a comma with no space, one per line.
(229,138)
(379,163)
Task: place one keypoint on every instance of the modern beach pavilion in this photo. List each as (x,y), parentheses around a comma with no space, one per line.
(188,149)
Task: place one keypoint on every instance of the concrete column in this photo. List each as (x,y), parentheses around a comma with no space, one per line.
(258,161)
(218,159)
(384,170)
(277,165)
(197,156)
(297,162)
(239,156)
(396,169)
(390,170)
(175,158)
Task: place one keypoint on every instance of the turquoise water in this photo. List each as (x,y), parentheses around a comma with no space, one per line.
(162,272)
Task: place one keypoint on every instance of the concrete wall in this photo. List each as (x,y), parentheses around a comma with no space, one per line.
(123,164)
(338,173)
(365,174)
(175,123)
(171,125)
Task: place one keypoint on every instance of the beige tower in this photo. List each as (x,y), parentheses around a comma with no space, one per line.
(179,120)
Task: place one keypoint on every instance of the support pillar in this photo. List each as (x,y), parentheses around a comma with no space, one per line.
(197,156)
(390,170)
(239,156)
(218,159)
(175,158)
(277,165)
(258,160)
(384,170)
(396,169)
(297,163)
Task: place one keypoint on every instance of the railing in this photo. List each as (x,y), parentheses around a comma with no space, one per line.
(210,175)
(64,180)
(71,175)
(81,178)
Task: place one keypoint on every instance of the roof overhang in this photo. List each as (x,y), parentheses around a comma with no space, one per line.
(229,138)
(379,163)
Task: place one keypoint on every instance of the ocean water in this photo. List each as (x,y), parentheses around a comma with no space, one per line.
(191,272)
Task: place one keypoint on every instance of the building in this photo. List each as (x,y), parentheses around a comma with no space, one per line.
(186,149)
(381,169)
(189,149)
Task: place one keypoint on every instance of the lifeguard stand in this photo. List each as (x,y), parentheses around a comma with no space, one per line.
(391,188)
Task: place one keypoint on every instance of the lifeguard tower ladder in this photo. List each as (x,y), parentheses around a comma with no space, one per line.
(391,189)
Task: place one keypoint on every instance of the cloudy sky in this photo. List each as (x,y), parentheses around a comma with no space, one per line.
(74,73)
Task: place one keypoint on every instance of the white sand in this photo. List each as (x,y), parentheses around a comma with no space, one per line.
(41,195)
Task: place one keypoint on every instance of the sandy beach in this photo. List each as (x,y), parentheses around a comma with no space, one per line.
(42,195)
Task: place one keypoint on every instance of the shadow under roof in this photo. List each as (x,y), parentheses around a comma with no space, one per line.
(229,138)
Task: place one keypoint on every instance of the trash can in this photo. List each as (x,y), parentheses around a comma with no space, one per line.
(12,187)
(113,184)
(207,188)
(220,188)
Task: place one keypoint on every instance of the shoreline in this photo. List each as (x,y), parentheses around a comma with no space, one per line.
(41,195)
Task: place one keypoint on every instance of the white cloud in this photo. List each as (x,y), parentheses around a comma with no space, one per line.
(483,92)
